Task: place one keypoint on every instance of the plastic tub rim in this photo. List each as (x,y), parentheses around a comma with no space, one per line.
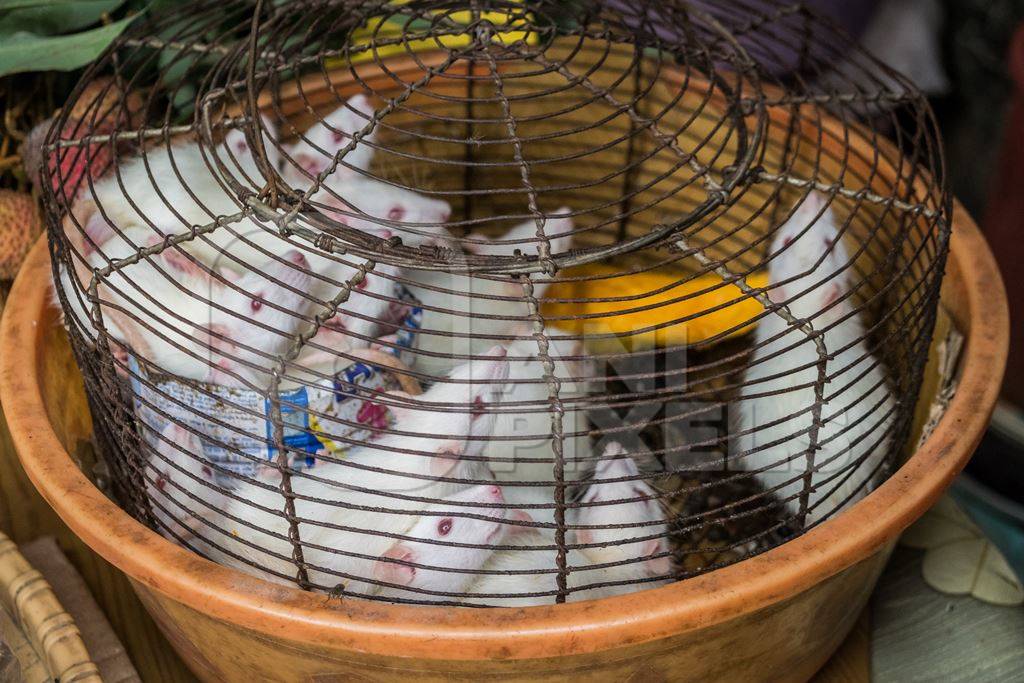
(387,629)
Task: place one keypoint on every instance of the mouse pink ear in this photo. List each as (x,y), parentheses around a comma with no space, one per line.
(656,566)
(216,337)
(393,572)
(356,115)
(813,203)
(120,354)
(176,261)
(777,295)
(447,458)
(361,104)
(518,516)
(311,163)
(584,536)
(833,292)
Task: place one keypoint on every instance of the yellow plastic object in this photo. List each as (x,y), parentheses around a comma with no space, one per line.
(651,308)
(378,29)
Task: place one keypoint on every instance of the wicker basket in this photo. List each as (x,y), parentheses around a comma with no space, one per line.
(50,630)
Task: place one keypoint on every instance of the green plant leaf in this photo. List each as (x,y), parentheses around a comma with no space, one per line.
(7,5)
(22,51)
(52,16)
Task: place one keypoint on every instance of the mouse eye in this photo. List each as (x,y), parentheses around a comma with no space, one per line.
(256,304)
(337,137)
(829,243)
(396,213)
(444,527)
(788,241)
(362,283)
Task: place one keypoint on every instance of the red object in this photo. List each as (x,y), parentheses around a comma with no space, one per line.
(76,162)
(373,415)
(1004,219)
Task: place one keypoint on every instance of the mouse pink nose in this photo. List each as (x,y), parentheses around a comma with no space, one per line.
(385,234)
(495,493)
(444,215)
(298,259)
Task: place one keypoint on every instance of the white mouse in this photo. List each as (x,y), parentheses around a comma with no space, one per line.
(521,451)
(619,495)
(462,314)
(810,273)
(235,246)
(190,322)
(180,484)
(171,187)
(443,571)
(359,319)
(512,575)
(311,154)
(358,199)
(440,434)
(238,245)
(348,506)
(76,319)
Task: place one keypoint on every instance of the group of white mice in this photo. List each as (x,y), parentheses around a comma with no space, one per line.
(419,514)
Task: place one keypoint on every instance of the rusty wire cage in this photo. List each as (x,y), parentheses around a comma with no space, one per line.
(485,302)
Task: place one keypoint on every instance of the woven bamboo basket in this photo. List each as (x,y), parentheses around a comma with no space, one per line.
(49,629)
(778,615)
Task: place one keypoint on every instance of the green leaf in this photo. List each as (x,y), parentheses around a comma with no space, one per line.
(23,51)
(6,5)
(52,16)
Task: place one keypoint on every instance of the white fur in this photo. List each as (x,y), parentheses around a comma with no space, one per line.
(407,462)
(646,561)
(358,199)
(166,300)
(527,427)
(523,237)
(462,315)
(171,187)
(859,411)
(237,246)
(180,484)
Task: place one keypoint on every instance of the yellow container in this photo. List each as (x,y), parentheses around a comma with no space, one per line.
(650,308)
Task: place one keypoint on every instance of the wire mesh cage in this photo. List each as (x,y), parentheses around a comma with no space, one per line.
(494,302)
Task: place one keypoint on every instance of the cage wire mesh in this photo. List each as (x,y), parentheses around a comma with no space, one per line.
(493,302)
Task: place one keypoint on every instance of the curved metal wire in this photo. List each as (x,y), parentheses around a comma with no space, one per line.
(479,302)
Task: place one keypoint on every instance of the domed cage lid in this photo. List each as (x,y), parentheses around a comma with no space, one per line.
(520,90)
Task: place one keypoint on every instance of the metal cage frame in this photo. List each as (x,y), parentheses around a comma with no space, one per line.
(684,135)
